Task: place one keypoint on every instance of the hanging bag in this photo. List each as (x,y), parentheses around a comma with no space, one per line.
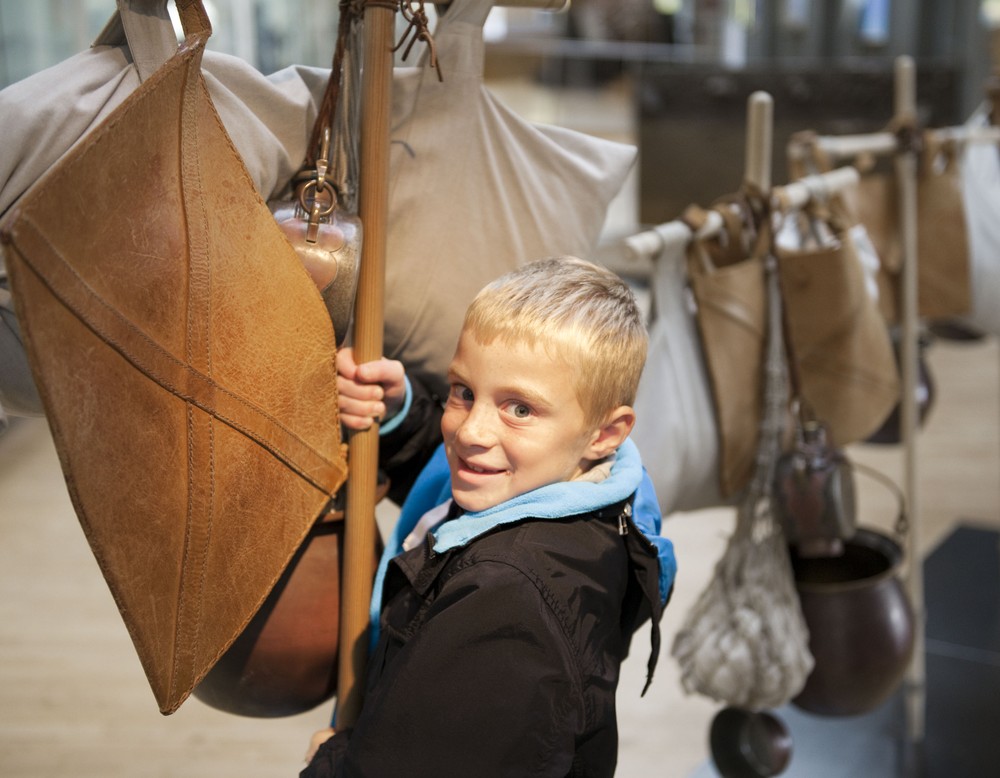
(727,282)
(943,289)
(193,405)
(942,240)
(474,191)
(839,349)
(678,436)
(48,113)
(840,354)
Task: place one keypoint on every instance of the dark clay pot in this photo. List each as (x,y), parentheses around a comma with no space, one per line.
(861,625)
(749,743)
(285,660)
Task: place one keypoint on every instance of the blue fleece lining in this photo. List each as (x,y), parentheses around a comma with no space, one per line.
(398,417)
(555,501)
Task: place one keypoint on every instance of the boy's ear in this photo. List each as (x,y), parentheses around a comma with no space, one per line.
(612,433)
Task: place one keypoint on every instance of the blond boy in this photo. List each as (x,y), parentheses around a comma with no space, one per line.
(527,551)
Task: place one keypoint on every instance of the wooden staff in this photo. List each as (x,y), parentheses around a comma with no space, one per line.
(905,115)
(360,530)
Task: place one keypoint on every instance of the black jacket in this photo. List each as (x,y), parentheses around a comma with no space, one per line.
(501,658)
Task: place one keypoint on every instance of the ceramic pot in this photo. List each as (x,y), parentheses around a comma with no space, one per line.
(285,660)
(861,625)
(749,744)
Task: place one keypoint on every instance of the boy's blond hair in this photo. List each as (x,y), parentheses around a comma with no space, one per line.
(582,314)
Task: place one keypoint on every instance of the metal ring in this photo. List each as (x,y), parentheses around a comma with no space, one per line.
(326,188)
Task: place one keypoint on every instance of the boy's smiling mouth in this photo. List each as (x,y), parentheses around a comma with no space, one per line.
(464,464)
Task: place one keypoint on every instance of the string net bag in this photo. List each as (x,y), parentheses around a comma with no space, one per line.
(745,642)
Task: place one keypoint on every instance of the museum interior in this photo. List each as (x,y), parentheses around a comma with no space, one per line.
(685,138)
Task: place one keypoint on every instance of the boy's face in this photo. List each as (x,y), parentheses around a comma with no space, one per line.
(512,423)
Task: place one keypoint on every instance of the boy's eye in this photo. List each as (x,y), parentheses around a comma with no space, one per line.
(461,392)
(520,410)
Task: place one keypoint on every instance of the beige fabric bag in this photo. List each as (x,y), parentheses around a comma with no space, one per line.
(677,432)
(269,118)
(942,240)
(475,191)
(728,284)
(838,346)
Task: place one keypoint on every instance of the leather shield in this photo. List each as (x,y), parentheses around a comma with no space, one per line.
(186,363)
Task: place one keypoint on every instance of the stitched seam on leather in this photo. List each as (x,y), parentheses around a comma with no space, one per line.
(335,478)
(182,590)
(197,350)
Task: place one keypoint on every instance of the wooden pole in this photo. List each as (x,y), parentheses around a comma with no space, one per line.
(906,176)
(757,170)
(360,531)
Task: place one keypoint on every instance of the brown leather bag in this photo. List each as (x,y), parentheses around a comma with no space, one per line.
(186,363)
(840,356)
(943,288)
(943,277)
(728,286)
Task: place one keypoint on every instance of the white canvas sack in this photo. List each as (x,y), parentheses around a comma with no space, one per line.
(269,118)
(980,176)
(475,191)
(676,431)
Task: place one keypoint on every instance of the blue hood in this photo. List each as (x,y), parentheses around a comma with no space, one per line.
(555,501)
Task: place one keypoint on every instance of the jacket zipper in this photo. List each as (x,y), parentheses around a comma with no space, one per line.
(623,518)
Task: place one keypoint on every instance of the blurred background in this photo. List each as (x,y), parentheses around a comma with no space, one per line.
(671,77)
(683,67)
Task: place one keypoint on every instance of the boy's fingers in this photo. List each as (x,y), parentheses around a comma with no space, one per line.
(366,408)
(349,390)
(357,423)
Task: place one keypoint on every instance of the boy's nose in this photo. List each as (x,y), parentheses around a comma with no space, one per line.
(476,429)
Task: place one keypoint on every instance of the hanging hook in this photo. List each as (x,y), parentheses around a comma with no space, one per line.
(418,29)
